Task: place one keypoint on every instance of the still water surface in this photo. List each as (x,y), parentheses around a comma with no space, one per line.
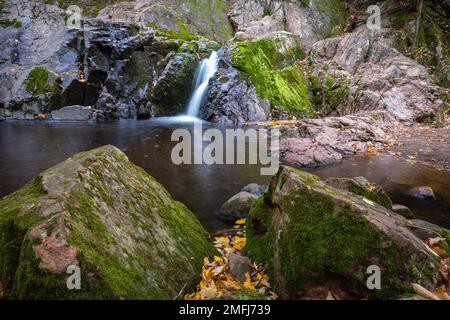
(27,148)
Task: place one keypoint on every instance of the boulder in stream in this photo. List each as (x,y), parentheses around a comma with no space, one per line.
(423,193)
(304,230)
(100,213)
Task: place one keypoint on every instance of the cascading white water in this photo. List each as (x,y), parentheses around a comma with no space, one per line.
(206,71)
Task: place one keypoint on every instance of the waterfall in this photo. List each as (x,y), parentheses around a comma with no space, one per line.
(206,71)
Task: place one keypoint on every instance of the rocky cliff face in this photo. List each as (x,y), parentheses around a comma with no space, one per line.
(99,212)
(117,66)
(311,20)
(287,60)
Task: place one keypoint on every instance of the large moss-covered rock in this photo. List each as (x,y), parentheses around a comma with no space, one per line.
(270,63)
(304,230)
(102,213)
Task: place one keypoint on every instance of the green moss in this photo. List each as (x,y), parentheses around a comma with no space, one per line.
(37,81)
(244,294)
(330,94)
(181,34)
(10,23)
(377,195)
(13,230)
(270,65)
(207,18)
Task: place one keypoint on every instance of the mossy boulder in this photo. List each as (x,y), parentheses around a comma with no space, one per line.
(270,63)
(362,187)
(303,230)
(100,212)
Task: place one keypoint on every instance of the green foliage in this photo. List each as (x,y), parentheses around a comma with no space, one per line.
(271,66)
(37,81)
(182,34)
(10,23)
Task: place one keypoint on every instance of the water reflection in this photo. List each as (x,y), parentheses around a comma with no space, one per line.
(27,148)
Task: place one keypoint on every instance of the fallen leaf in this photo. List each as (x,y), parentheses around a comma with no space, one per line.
(421,291)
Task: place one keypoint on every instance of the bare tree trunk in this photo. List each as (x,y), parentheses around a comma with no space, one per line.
(419,16)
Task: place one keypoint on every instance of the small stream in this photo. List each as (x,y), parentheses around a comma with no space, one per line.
(27,148)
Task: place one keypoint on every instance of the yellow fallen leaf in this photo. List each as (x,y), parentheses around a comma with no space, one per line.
(421,291)
(248,282)
(208,292)
(240,222)
(330,296)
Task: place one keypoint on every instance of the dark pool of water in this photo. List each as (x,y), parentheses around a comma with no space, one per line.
(397,177)
(27,148)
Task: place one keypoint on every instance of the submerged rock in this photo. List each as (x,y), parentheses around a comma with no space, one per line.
(423,193)
(254,188)
(237,206)
(101,213)
(303,229)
